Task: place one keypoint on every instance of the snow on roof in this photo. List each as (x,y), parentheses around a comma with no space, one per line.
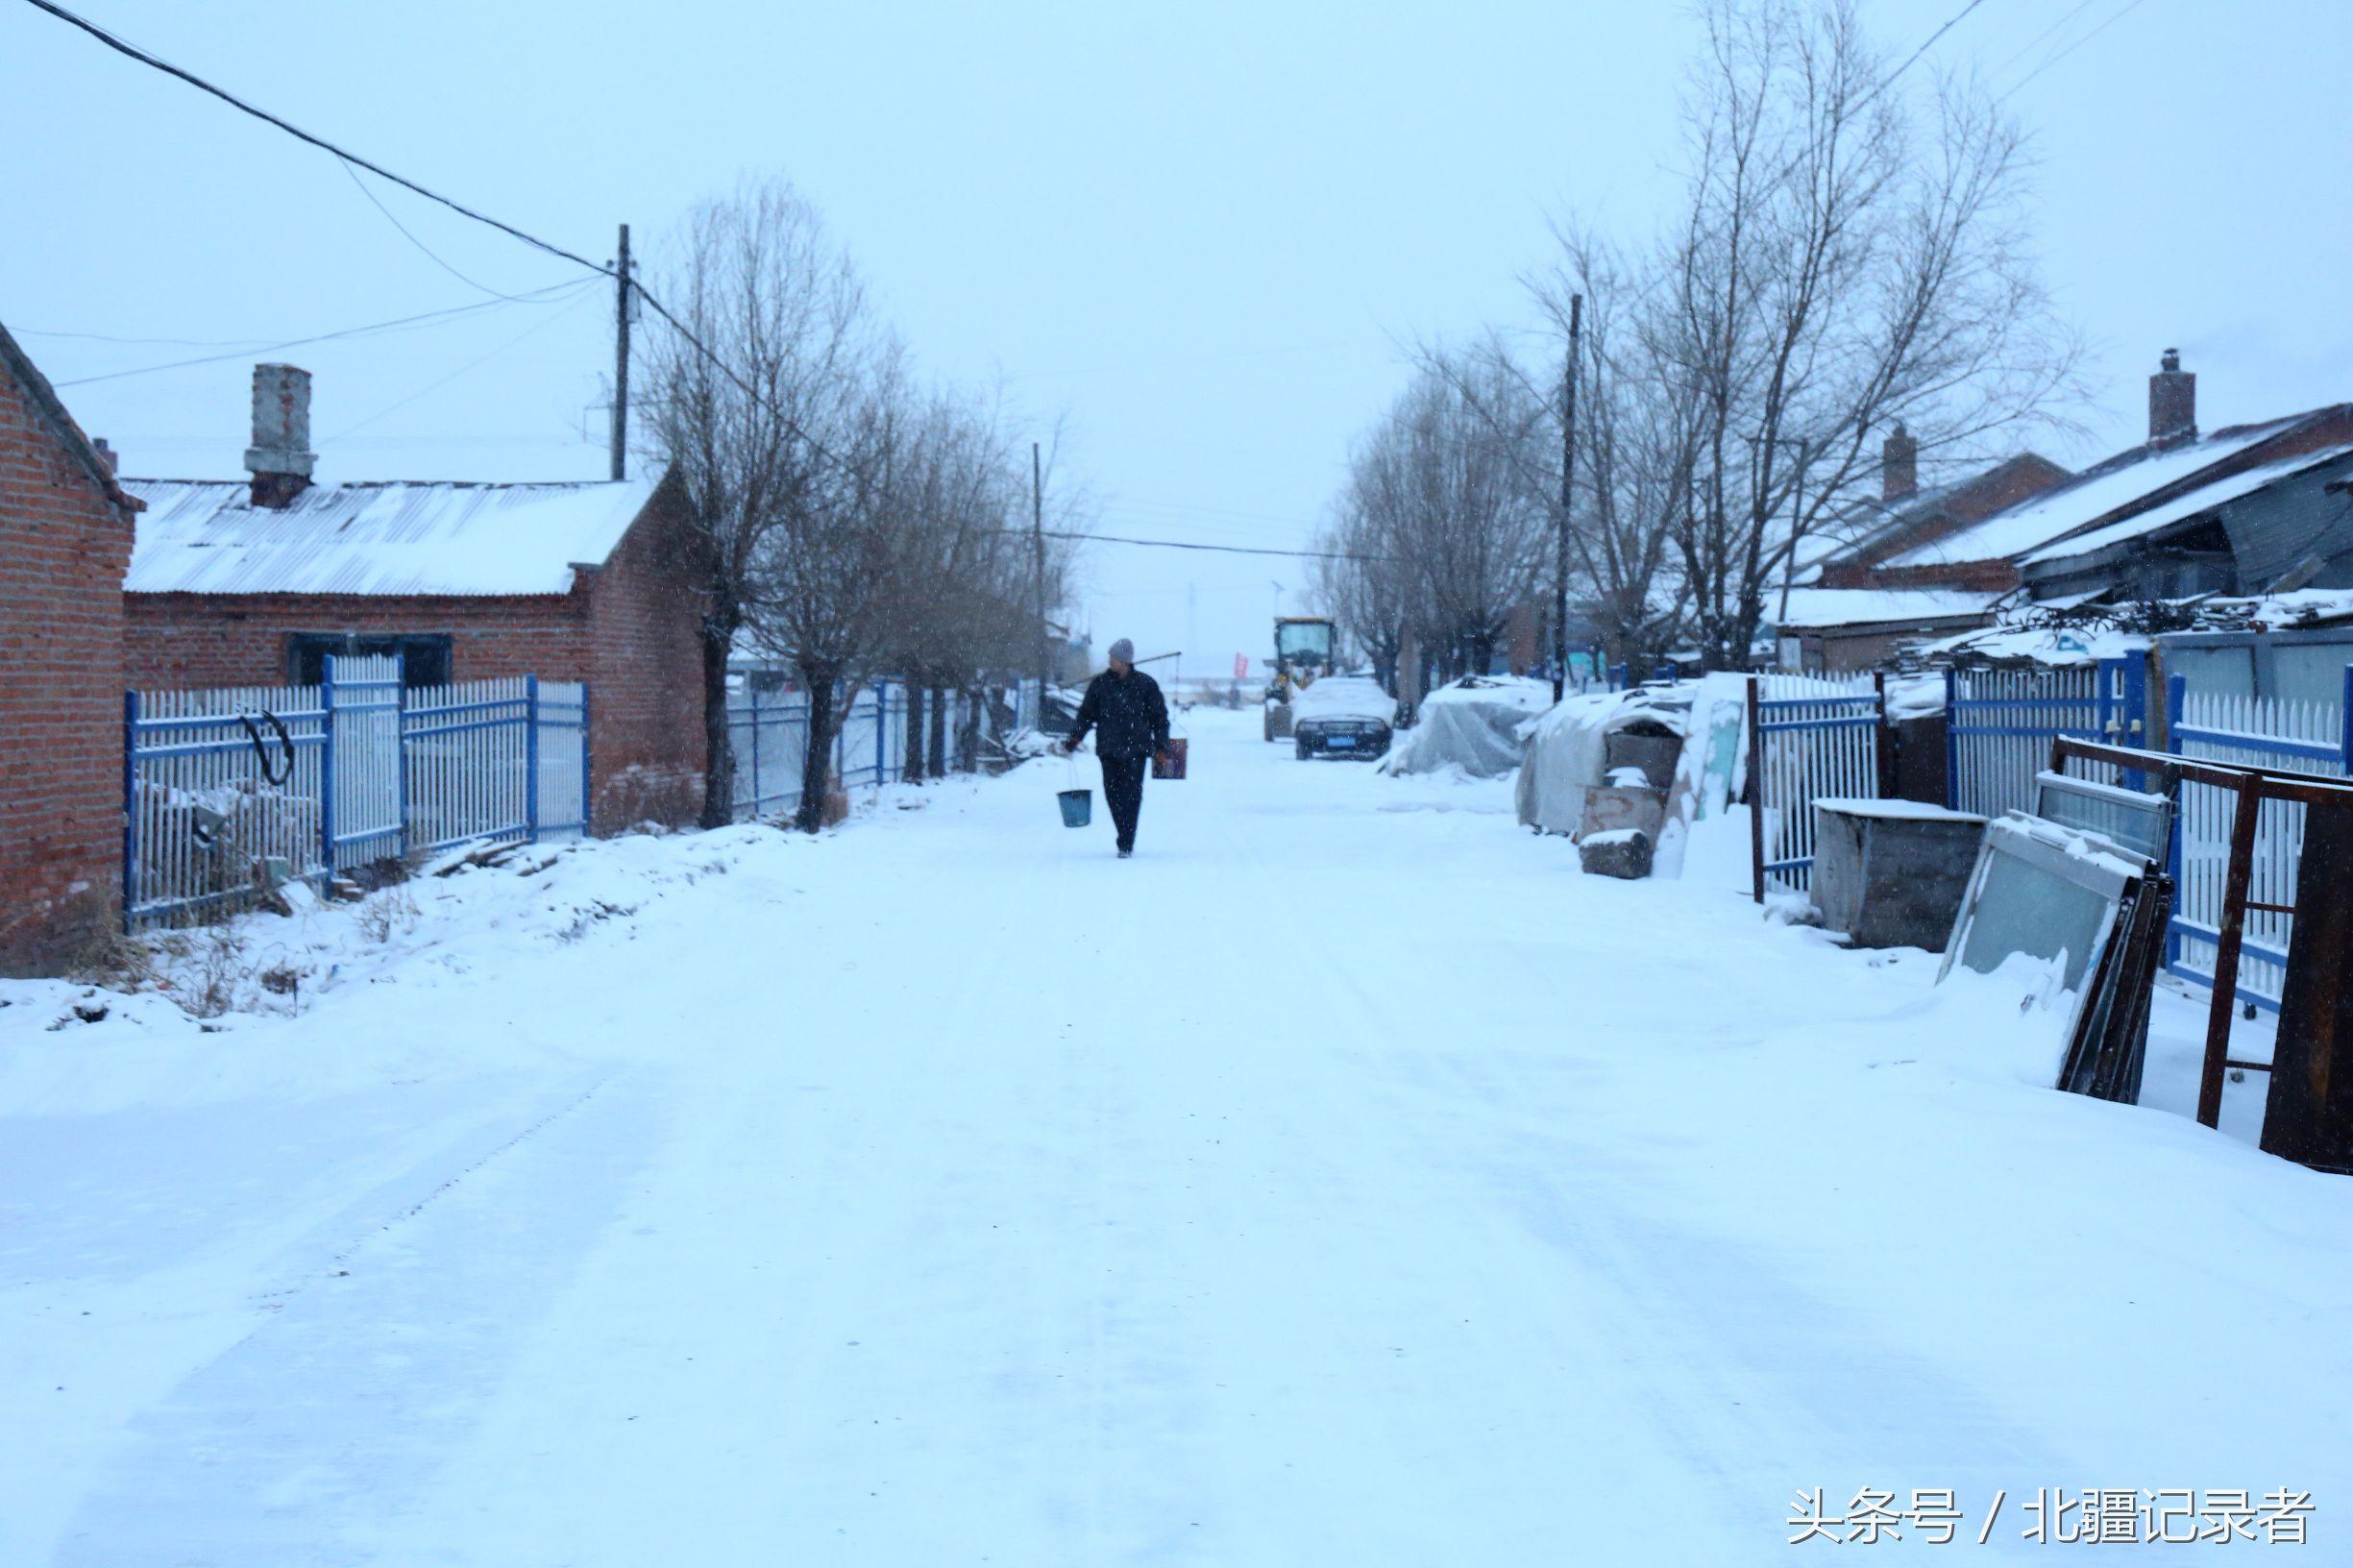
(2183,508)
(2070,504)
(1871,606)
(205,536)
(2033,644)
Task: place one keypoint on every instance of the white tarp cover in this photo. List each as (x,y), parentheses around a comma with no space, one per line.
(1565,749)
(1477,724)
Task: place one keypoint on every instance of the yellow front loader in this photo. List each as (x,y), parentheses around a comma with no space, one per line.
(1305,646)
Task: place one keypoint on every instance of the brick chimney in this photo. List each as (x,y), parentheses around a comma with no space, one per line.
(1899,464)
(280,457)
(113,459)
(2172,404)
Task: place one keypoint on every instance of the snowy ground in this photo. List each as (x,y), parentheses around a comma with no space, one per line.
(1346,1180)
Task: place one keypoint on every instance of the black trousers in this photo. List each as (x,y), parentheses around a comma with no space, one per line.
(1123,792)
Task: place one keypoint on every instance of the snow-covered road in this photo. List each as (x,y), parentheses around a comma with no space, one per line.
(1344,1181)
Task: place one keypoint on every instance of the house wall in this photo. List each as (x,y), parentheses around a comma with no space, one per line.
(184,641)
(66,544)
(628,628)
(646,699)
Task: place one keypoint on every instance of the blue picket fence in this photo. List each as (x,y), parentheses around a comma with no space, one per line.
(2301,737)
(770,731)
(1811,738)
(2000,723)
(231,791)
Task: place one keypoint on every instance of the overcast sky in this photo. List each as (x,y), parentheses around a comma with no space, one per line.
(1201,234)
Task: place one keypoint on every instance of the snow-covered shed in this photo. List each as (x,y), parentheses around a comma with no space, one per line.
(236,582)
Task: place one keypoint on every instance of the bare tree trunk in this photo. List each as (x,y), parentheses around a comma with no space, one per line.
(940,700)
(913,772)
(817,764)
(719,742)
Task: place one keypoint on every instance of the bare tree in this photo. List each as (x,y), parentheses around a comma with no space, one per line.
(1842,258)
(767,412)
(1441,507)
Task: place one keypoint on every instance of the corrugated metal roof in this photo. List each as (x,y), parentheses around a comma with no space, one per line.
(1873,606)
(2043,518)
(2184,506)
(205,536)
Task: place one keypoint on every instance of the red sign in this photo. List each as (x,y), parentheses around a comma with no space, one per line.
(1241,666)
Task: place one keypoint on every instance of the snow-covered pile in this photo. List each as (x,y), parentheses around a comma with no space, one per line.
(1567,749)
(1478,725)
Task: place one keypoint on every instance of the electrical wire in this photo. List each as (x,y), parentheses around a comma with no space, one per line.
(539,326)
(346,164)
(124,47)
(327,337)
(2128,7)
(1183,544)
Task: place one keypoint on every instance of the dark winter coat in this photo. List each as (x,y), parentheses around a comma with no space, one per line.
(1127,714)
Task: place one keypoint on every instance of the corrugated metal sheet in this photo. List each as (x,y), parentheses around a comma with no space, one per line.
(205,537)
(2042,518)
(2182,507)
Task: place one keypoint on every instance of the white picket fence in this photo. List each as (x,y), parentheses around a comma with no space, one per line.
(233,788)
(2306,736)
(771,732)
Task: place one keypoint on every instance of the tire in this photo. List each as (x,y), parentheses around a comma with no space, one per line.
(1302,747)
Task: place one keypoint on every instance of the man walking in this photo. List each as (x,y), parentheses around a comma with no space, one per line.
(1124,708)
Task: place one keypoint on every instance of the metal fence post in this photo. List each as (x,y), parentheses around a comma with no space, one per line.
(752,687)
(326,770)
(1883,740)
(588,759)
(399,743)
(1757,792)
(882,733)
(1953,741)
(130,802)
(2344,720)
(531,758)
(2176,695)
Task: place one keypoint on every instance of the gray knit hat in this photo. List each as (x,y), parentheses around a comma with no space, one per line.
(1123,651)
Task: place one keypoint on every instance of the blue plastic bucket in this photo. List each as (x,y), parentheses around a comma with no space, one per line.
(1077,807)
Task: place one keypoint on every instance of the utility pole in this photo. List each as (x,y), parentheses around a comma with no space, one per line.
(621,360)
(1037,543)
(1568,487)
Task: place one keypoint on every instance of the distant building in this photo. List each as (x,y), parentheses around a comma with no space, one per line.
(2243,510)
(253,582)
(1905,519)
(65,531)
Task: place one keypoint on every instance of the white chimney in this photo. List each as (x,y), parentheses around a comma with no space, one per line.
(280,458)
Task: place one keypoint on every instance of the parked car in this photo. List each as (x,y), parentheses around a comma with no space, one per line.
(1343,716)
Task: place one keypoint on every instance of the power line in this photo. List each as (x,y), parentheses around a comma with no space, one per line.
(538,326)
(345,165)
(2129,7)
(123,46)
(1215,549)
(327,337)
(133,51)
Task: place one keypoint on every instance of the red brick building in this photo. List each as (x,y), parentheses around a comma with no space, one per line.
(255,582)
(65,532)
